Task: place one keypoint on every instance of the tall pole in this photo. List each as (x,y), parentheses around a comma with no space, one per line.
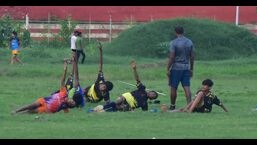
(110,33)
(69,25)
(131,19)
(27,22)
(237,15)
(151,19)
(89,28)
(48,28)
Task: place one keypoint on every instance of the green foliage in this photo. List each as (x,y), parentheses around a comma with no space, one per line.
(162,49)
(212,40)
(57,42)
(60,40)
(7,26)
(91,47)
(26,38)
(67,28)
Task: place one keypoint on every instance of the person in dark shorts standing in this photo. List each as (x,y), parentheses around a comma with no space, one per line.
(180,65)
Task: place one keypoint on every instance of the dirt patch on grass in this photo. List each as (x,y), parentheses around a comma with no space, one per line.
(151,65)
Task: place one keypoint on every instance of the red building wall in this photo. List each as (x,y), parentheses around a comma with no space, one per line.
(136,13)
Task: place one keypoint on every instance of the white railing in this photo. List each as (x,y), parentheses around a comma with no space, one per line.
(103,30)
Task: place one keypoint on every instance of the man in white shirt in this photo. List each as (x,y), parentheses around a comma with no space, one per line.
(73,42)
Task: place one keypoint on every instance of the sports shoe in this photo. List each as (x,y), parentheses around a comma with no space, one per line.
(164,108)
(172,107)
(156,101)
(99,108)
(13,112)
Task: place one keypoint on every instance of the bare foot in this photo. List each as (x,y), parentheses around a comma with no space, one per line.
(13,112)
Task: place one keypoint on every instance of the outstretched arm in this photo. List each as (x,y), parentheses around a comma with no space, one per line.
(100,77)
(134,67)
(64,74)
(101,57)
(223,107)
(216,101)
(72,71)
(76,72)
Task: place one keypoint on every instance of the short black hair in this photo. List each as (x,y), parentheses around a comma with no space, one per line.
(14,33)
(156,94)
(208,82)
(69,106)
(76,32)
(179,29)
(78,99)
(109,85)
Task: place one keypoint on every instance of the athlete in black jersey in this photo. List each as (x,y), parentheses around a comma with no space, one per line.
(204,99)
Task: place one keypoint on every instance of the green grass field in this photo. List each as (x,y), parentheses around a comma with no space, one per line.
(234,82)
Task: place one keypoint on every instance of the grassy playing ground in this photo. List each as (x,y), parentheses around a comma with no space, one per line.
(234,82)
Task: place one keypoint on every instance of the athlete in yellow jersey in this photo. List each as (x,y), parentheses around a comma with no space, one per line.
(132,100)
(101,88)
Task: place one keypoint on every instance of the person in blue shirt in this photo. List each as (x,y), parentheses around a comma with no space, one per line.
(15,46)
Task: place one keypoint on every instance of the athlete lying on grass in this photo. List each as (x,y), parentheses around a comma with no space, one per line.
(74,92)
(53,103)
(132,100)
(101,88)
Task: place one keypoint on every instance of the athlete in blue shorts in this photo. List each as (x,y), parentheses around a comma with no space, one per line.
(180,65)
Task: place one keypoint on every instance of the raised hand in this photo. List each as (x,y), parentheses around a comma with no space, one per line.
(65,65)
(133,64)
(101,58)
(134,67)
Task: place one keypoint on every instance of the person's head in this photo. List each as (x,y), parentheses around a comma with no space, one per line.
(75,33)
(152,95)
(78,99)
(79,34)
(207,84)
(179,30)
(106,86)
(14,33)
(71,103)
